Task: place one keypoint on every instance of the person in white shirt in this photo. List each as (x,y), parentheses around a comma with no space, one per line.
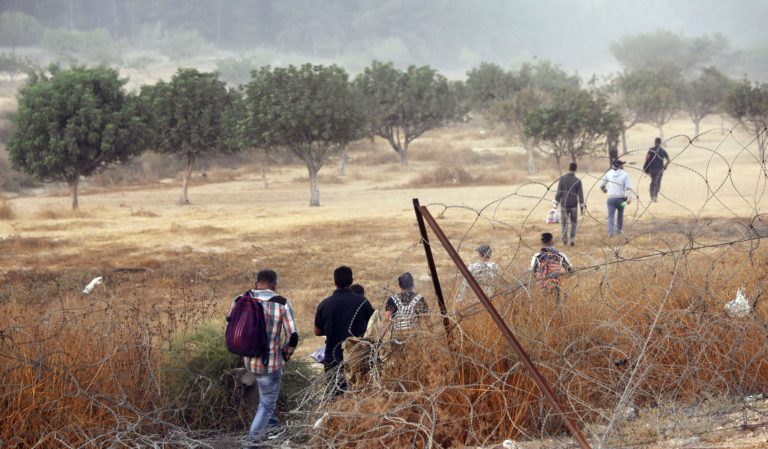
(618,186)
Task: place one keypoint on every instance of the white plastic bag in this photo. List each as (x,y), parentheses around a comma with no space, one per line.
(739,307)
(91,285)
(553,216)
(319,354)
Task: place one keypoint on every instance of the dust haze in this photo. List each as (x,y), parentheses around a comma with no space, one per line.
(450,35)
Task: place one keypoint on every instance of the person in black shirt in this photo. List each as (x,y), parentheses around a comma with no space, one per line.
(654,166)
(570,197)
(341,315)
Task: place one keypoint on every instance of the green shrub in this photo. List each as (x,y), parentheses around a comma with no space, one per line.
(195,385)
(298,376)
(202,396)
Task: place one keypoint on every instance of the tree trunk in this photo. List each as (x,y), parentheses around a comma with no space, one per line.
(623,142)
(722,125)
(187,175)
(314,191)
(264,170)
(73,189)
(696,124)
(661,132)
(557,161)
(404,154)
(343,162)
(531,160)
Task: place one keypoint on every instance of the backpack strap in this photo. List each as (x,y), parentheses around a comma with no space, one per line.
(278,299)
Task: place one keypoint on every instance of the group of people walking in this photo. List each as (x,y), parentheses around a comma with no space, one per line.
(616,183)
(347,313)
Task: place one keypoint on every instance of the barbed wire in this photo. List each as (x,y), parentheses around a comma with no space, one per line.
(640,326)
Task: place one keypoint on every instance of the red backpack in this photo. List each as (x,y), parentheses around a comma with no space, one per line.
(550,267)
(246,332)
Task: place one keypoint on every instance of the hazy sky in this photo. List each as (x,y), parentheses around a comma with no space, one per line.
(577,33)
(452,35)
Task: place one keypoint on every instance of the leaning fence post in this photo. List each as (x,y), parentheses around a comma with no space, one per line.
(540,380)
(432,268)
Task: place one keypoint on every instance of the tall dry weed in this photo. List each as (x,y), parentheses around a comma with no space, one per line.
(84,369)
(652,333)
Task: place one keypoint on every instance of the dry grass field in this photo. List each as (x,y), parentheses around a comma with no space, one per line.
(641,324)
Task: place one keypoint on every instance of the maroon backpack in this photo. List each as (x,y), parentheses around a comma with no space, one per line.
(246,332)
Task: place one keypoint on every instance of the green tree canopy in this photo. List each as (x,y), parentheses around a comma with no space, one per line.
(190,117)
(311,110)
(705,94)
(400,106)
(650,95)
(488,84)
(18,29)
(535,85)
(74,123)
(645,51)
(572,124)
(748,103)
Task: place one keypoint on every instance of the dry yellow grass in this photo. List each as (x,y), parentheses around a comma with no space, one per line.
(6,211)
(199,257)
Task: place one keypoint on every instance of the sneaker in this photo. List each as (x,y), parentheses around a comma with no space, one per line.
(275,432)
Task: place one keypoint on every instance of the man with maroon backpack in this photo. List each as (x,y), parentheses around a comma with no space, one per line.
(549,264)
(278,320)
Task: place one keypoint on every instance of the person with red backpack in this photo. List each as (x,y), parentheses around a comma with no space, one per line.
(549,264)
(265,352)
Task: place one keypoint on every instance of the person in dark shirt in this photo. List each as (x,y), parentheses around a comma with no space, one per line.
(570,196)
(656,161)
(341,315)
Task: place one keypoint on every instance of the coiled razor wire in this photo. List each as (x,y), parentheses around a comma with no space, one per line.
(605,366)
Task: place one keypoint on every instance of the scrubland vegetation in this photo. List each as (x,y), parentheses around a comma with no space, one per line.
(135,110)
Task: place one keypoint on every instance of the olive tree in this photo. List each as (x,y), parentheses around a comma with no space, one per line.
(190,118)
(748,103)
(651,95)
(523,92)
(75,122)
(705,95)
(489,84)
(573,124)
(400,106)
(18,29)
(311,110)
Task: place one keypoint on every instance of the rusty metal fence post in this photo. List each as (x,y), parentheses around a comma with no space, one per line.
(432,267)
(424,215)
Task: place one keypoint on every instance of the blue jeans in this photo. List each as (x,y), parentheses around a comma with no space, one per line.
(269,389)
(614,206)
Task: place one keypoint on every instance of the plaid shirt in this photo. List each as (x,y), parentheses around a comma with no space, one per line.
(278,317)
